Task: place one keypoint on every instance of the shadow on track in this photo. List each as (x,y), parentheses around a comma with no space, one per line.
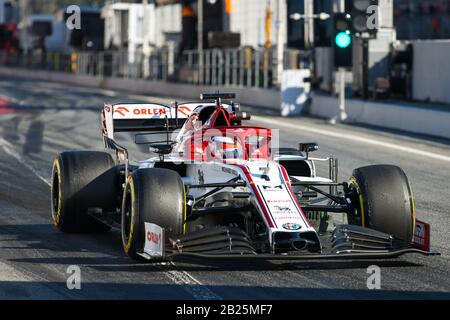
(45,237)
(109,290)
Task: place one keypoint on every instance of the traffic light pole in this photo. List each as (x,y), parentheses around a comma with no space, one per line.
(309,23)
(343,55)
(365,70)
(200,40)
(146,44)
(341,72)
(280,44)
(342,116)
(342,112)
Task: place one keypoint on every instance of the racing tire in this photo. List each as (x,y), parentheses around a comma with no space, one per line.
(82,180)
(151,195)
(384,201)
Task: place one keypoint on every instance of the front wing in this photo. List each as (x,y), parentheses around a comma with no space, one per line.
(346,242)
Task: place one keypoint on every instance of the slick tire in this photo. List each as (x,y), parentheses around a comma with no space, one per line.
(384,201)
(82,180)
(151,195)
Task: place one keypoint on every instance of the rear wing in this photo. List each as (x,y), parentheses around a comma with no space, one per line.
(148,117)
(142,117)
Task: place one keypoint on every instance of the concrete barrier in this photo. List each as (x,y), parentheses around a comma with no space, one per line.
(388,115)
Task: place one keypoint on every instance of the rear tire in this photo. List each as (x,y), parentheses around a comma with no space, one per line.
(151,195)
(82,180)
(384,200)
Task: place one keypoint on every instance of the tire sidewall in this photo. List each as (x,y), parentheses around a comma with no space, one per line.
(56,176)
(130,203)
(71,173)
(396,214)
(143,200)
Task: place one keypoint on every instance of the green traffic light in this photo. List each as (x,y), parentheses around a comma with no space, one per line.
(343,39)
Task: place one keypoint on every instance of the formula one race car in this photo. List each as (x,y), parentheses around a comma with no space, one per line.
(220,189)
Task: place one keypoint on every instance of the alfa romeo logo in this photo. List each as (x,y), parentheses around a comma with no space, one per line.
(291,226)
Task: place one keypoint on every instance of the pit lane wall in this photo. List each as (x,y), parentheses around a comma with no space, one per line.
(405,117)
(420,120)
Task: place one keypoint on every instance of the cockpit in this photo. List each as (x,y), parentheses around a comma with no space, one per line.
(210,133)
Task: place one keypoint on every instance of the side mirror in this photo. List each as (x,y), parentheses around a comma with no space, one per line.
(242,115)
(308,147)
(239,116)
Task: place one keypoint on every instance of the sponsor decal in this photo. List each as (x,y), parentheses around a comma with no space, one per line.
(420,233)
(282,209)
(139,111)
(422,236)
(154,237)
(184,110)
(273,188)
(291,226)
(149,111)
(122,111)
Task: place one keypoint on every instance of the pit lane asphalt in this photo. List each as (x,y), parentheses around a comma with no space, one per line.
(40,119)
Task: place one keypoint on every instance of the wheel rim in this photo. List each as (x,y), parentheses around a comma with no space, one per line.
(126,218)
(360,218)
(56,195)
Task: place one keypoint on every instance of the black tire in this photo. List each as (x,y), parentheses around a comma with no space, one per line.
(151,195)
(82,180)
(384,200)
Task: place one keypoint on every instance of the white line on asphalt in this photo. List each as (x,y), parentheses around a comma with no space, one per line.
(329,133)
(193,286)
(7,147)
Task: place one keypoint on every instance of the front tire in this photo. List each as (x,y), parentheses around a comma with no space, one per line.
(82,180)
(384,201)
(151,195)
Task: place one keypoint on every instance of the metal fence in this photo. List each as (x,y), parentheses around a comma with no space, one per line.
(242,67)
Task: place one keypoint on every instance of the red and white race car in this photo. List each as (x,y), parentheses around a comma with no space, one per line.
(219,189)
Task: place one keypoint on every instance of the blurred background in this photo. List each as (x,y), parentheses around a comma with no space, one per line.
(269,44)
